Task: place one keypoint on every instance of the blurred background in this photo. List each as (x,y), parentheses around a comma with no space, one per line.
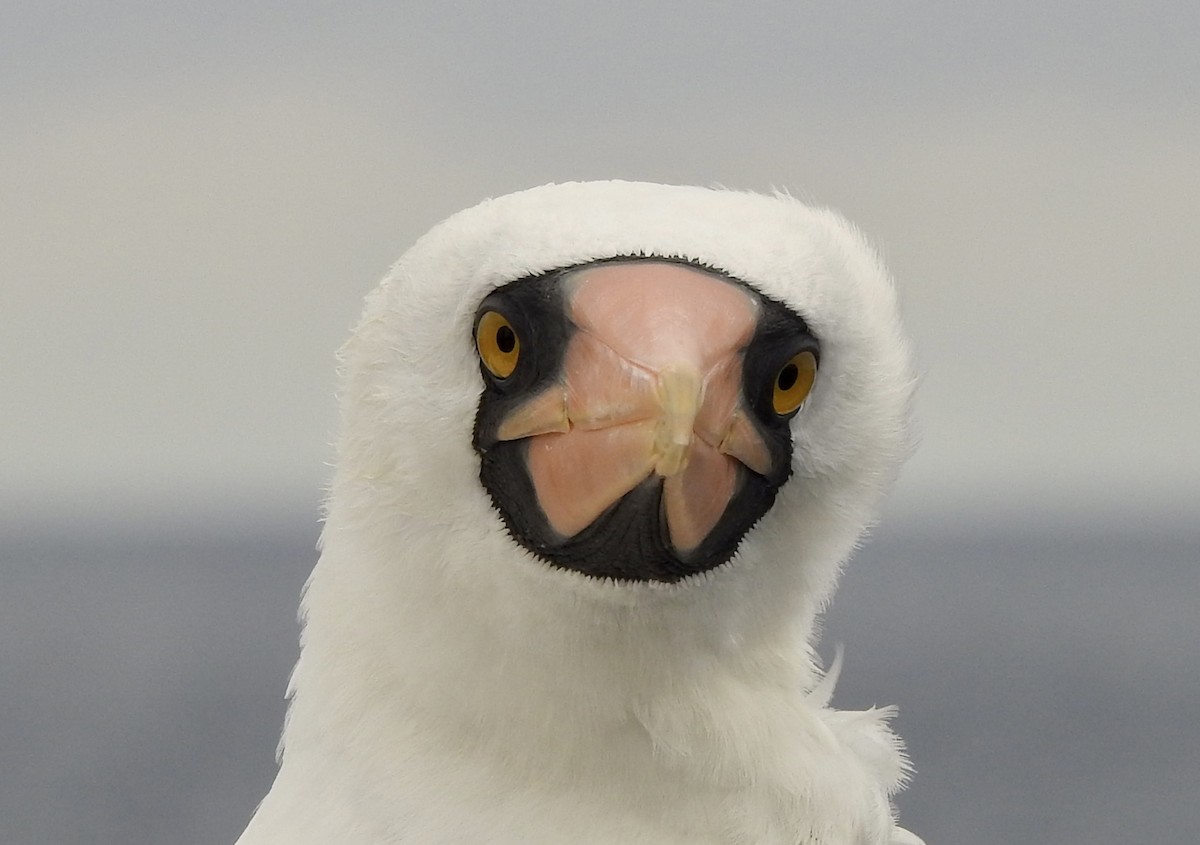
(197,196)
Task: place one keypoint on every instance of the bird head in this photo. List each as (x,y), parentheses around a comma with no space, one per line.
(629,383)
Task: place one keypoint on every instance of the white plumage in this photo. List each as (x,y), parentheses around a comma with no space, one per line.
(453,688)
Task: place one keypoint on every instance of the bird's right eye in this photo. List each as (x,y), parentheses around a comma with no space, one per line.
(498,344)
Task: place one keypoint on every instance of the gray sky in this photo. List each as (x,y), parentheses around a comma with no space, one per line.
(196,197)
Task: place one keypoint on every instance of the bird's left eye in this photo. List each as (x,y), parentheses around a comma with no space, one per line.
(793,383)
(498,344)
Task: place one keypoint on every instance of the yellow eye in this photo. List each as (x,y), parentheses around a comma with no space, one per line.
(793,382)
(498,344)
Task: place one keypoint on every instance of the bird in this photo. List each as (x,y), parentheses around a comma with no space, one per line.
(604,448)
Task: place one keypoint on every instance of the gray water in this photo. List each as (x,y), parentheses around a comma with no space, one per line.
(1048,678)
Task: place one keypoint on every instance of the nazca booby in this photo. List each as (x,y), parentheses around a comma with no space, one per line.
(604,447)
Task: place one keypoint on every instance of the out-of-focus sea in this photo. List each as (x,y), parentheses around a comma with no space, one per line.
(1047,678)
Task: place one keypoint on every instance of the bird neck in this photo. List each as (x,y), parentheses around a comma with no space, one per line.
(401,641)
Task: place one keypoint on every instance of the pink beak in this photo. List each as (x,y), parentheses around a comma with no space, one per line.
(651,386)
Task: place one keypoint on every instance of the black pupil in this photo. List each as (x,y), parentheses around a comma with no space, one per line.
(788,377)
(506,339)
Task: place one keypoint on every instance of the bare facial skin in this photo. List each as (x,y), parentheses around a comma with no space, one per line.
(651,385)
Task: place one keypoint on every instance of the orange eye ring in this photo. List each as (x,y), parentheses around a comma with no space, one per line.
(793,383)
(498,344)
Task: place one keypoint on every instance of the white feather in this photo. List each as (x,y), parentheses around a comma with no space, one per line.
(453,689)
